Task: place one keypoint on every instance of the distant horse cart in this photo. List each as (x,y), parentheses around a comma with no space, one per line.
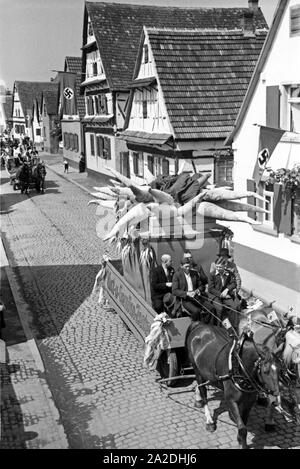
(30,175)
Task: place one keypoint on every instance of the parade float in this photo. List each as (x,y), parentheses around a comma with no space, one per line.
(166,215)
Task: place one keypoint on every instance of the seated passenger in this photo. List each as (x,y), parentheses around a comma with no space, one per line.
(161,282)
(197,268)
(186,286)
(222,289)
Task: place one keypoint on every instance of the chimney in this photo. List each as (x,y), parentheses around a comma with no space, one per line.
(253,5)
(248,24)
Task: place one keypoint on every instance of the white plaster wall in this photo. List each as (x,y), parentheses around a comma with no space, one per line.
(282,66)
(95,163)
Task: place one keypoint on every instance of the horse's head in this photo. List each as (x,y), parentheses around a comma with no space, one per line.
(268,371)
(291,352)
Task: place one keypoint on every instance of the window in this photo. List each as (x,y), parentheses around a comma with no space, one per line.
(95,69)
(97,105)
(45,111)
(157,166)
(44,132)
(138,164)
(92,143)
(38,132)
(224,169)
(151,163)
(103,147)
(146,53)
(145,109)
(295,20)
(103,104)
(290,107)
(267,218)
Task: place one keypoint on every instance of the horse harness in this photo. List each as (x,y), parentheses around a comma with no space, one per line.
(240,377)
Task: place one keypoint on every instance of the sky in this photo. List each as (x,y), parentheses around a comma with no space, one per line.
(37,35)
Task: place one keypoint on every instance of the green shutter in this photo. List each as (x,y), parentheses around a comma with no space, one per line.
(251,186)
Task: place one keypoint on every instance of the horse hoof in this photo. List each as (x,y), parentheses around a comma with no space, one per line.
(210,427)
(269,427)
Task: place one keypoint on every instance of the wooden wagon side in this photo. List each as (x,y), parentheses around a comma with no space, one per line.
(138,316)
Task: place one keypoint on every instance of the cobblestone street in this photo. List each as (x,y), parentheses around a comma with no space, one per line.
(93,363)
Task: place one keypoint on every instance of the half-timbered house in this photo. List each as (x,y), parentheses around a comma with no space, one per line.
(187,89)
(111,35)
(266,137)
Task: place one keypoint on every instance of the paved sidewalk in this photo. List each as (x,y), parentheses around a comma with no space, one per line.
(29,417)
(83,180)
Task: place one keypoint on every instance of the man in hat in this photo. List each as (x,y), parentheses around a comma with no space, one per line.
(169,303)
(222,288)
(186,286)
(161,282)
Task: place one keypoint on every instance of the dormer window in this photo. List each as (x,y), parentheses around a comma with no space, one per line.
(95,69)
(146,53)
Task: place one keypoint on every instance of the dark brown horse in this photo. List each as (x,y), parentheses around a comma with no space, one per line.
(39,174)
(239,375)
(24,174)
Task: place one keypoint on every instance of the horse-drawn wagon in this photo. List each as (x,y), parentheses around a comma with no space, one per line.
(27,175)
(144,225)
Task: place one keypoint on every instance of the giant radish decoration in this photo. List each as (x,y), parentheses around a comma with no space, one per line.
(133,203)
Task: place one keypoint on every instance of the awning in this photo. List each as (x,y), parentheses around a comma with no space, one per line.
(142,82)
(144,137)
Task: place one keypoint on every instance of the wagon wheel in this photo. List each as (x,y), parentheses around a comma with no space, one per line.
(167,366)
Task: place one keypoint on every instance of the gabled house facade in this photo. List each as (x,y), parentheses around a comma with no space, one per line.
(187,89)
(5,109)
(51,128)
(71,121)
(268,255)
(37,123)
(24,95)
(111,36)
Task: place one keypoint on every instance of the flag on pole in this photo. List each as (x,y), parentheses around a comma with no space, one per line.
(68,94)
(268,139)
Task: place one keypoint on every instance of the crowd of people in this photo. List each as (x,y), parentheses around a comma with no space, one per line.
(15,152)
(190,291)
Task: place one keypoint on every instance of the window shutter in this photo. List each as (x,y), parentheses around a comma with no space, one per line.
(145,109)
(76,142)
(146,54)
(98,146)
(107,151)
(151,163)
(286,213)
(273,107)
(92,141)
(251,186)
(277,205)
(124,157)
(165,167)
(135,163)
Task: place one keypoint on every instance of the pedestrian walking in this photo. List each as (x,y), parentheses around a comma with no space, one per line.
(66,165)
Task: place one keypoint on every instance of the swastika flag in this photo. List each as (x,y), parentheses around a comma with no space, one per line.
(68,94)
(268,139)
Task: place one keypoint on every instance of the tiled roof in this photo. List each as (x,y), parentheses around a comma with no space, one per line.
(51,98)
(74,64)
(8,107)
(29,91)
(204,76)
(118,27)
